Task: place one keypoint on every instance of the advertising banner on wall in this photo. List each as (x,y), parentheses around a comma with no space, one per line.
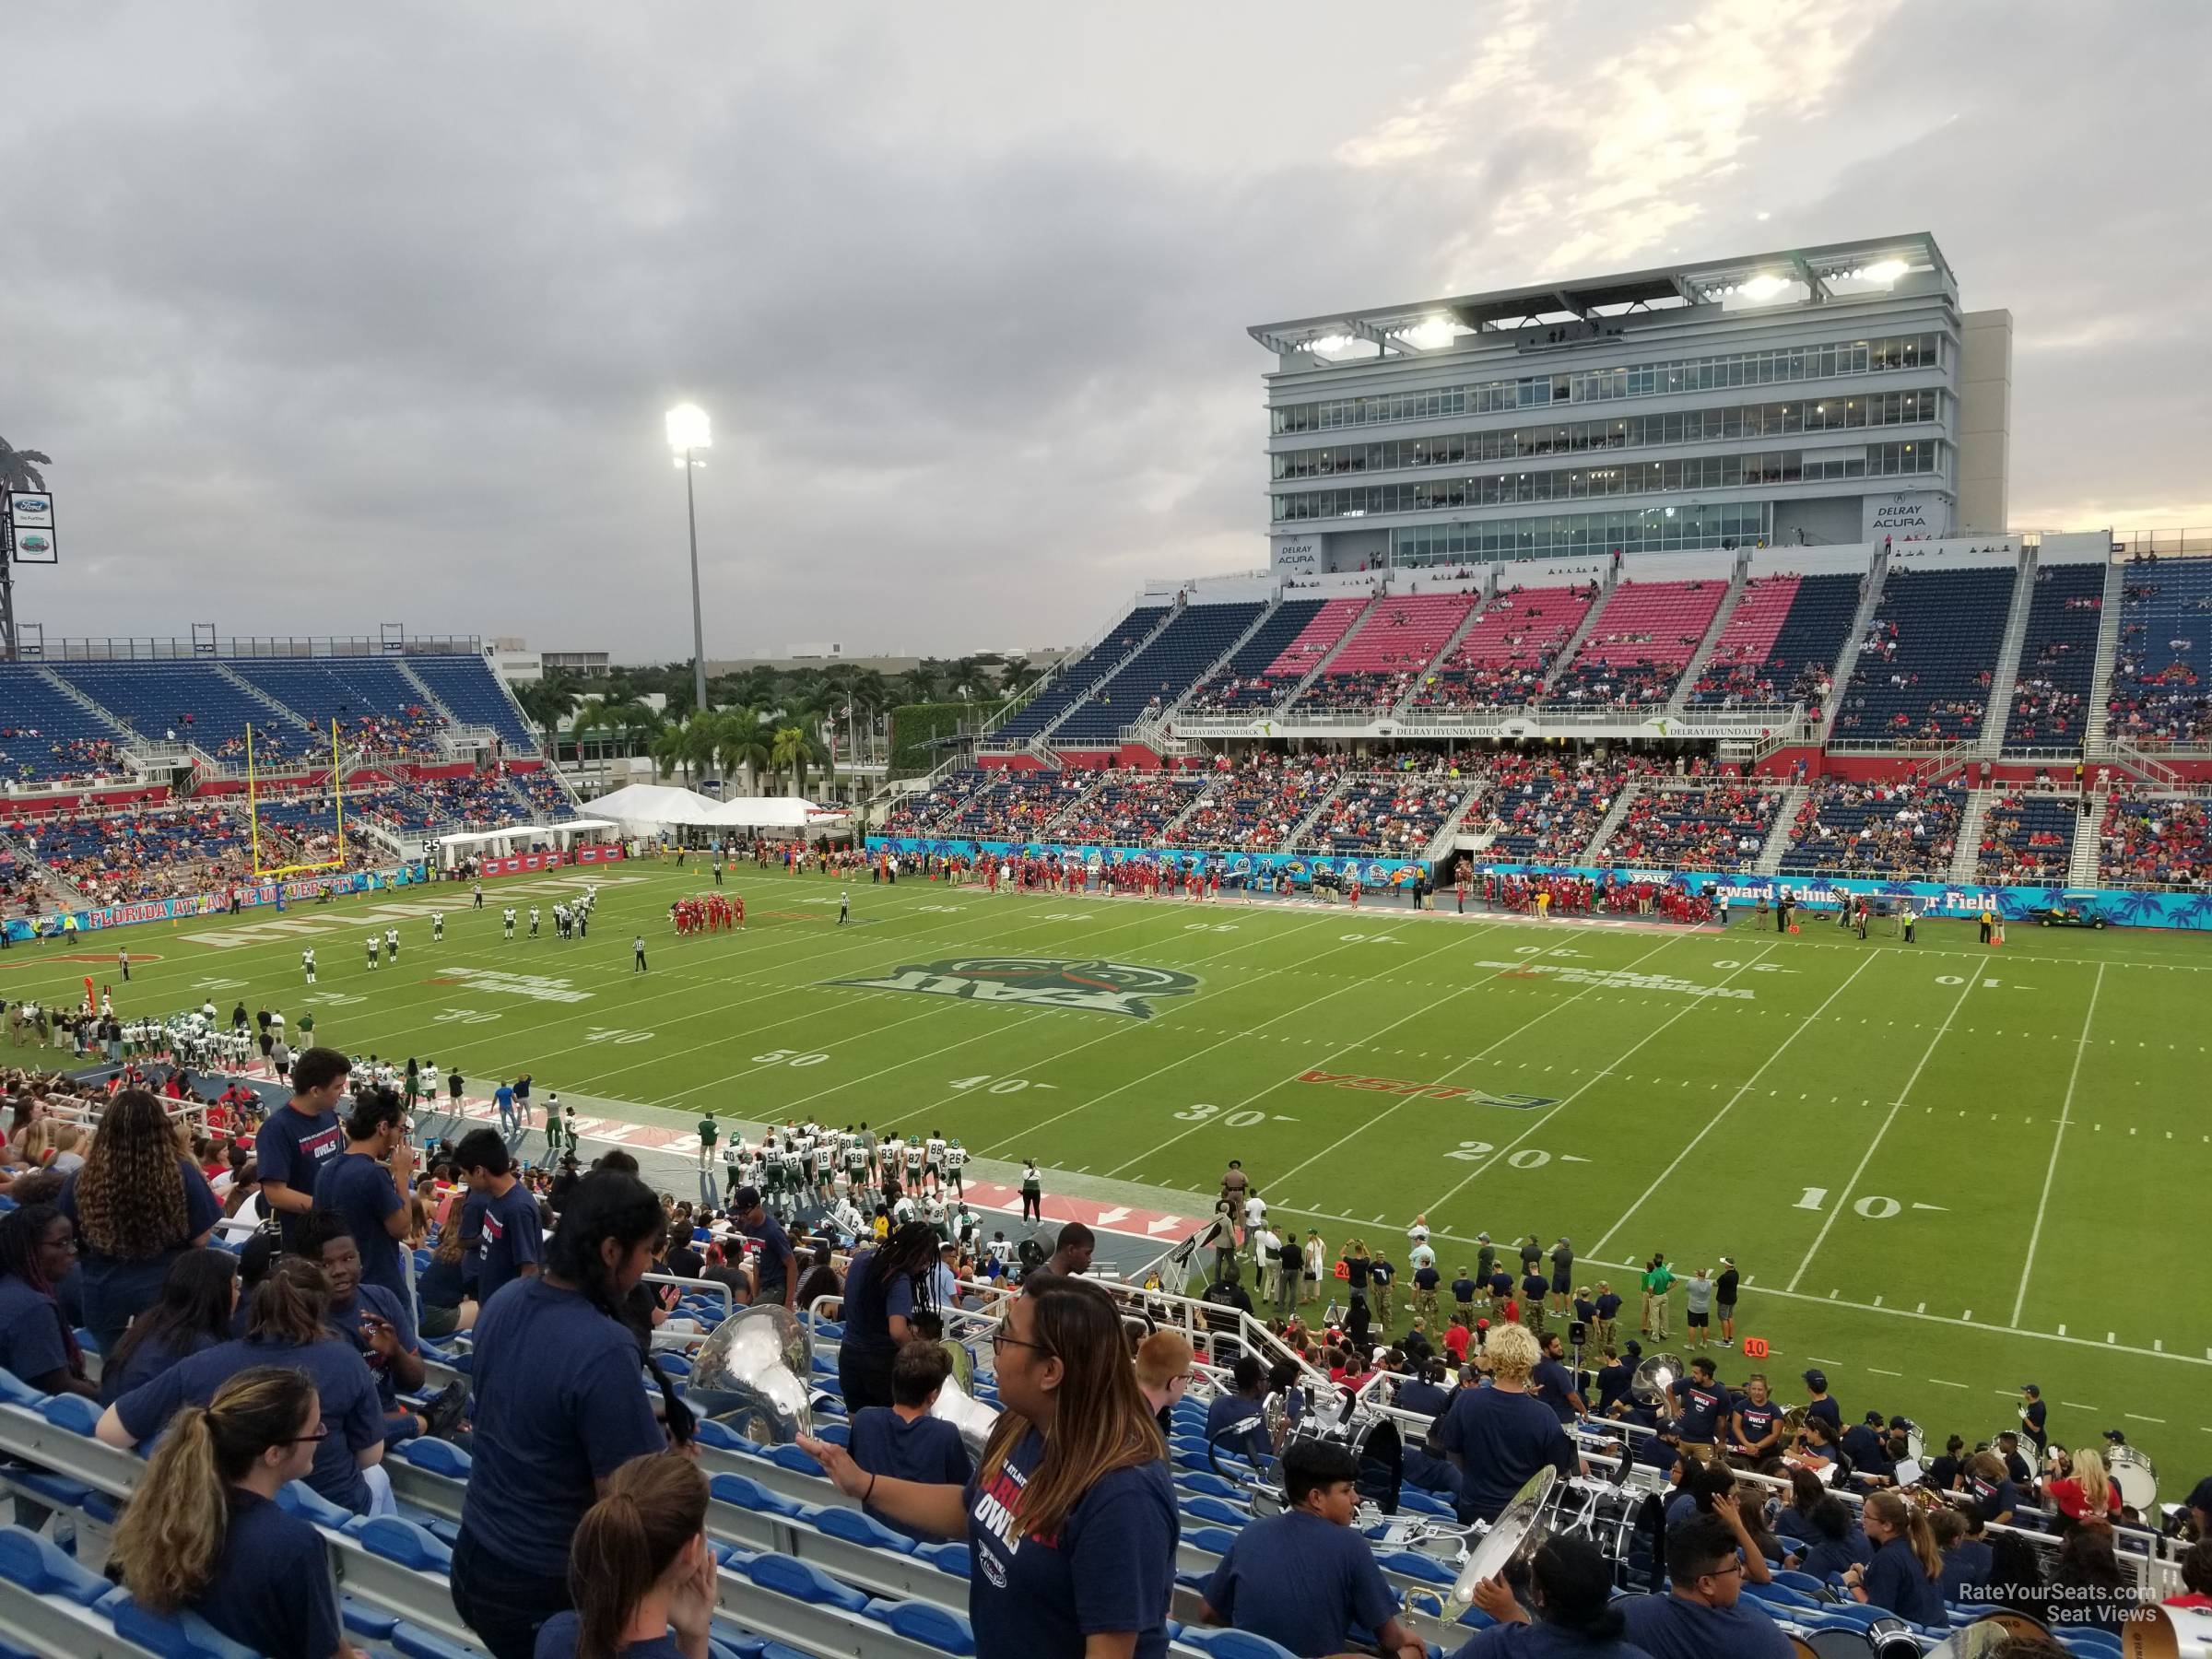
(1296,866)
(244,897)
(27,522)
(1905,515)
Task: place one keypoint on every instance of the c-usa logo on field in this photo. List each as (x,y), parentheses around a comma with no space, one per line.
(1088,985)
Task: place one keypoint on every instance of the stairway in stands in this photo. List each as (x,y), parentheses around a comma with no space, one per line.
(1778,839)
(1861,624)
(1561,662)
(1967,849)
(2097,743)
(2007,674)
(1612,820)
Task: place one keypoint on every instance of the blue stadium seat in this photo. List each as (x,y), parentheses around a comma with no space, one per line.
(465,684)
(369,1623)
(1244,681)
(744,1492)
(42,1566)
(401,1541)
(1214,1540)
(804,1581)
(1413,1564)
(854,1527)
(926,1622)
(791,1457)
(419,1644)
(440,1457)
(172,1635)
(2058,659)
(1160,674)
(947,1557)
(1234,1644)
(73,1412)
(303,1500)
(1925,676)
(1216,1510)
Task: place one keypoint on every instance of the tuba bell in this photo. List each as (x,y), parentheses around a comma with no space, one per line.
(974,1419)
(752,1374)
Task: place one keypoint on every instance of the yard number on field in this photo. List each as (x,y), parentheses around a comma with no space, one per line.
(1873,1205)
(1235,1120)
(788,1057)
(460,1016)
(1209,927)
(602,1034)
(1528,1157)
(990,1085)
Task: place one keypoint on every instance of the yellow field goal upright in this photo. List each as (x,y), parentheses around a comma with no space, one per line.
(337,795)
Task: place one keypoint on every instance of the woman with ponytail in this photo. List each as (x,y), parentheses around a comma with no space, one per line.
(287,1327)
(558,1411)
(1901,1577)
(38,1247)
(203,1534)
(1070,1518)
(2086,1492)
(640,1569)
(1570,1586)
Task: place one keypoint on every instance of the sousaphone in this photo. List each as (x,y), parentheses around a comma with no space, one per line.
(974,1419)
(1512,1538)
(1656,1378)
(752,1374)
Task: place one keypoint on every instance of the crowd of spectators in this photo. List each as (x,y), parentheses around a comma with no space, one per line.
(1712,827)
(1257,807)
(138,854)
(2162,840)
(1545,808)
(1017,806)
(1132,806)
(2026,839)
(1394,816)
(1894,829)
(90,758)
(2158,688)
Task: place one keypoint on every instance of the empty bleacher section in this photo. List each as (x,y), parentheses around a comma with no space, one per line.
(1324,626)
(2027,838)
(1391,817)
(1382,661)
(1502,659)
(1713,827)
(1924,673)
(377,708)
(1249,679)
(1545,808)
(1900,830)
(1130,807)
(2158,841)
(1258,808)
(1780,643)
(1167,667)
(2058,657)
(465,684)
(188,701)
(1078,677)
(1639,644)
(2159,694)
(45,734)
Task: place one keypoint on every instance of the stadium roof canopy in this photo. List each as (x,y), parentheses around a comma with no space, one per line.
(1429,325)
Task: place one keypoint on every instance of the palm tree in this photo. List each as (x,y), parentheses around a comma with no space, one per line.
(925,680)
(547,703)
(20,468)
(742,744)
(671,749)
(792,751)
(594,715)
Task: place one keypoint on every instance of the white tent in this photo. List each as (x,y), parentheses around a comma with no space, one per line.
(648,808)
(775,812)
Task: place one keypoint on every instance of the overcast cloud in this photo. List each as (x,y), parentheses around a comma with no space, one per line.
(338,316)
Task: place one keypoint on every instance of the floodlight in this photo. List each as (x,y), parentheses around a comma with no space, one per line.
(689,428)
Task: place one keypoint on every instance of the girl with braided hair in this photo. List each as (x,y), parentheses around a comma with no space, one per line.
(558,1411)
(38,1247)
(202,1532)
(138,1203)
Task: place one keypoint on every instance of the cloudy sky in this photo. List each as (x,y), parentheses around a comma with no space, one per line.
(338,316)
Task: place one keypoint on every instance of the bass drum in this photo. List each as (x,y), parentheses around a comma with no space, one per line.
(1884,1639)
(2137,1480)
(2167,1633)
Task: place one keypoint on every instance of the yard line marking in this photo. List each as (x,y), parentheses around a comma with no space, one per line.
(1816,1359)
(1935,1042)
(1941,1383)
(2066,1113)
(1877,1301)
(1663,1027)
(1878,1372)
(1730,1104)
(1281,1182)
(2141,1418)
(1922,1308)
(2076,1406)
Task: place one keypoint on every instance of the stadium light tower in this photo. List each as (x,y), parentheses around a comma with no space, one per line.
(688,432)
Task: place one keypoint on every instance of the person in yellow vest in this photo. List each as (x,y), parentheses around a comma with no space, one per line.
(1989,922)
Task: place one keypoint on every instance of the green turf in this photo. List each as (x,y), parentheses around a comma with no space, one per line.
(1891,1077)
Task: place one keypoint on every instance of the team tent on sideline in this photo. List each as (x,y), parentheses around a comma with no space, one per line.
(649,808)
(453,849)
(777,815)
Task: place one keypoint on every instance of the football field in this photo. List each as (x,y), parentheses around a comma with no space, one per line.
(1942,1169)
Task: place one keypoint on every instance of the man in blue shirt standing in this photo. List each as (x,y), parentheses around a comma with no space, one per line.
(501,1232)
(1500,1436)
(302,1136)
(901,1440)
(778,1267)
(502,1101)
(1555,1384)
(1305,1578)
(364,1186)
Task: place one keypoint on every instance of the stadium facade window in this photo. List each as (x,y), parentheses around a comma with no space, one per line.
(1720,373)
(1626,432)
(1583,482)
(1645,530)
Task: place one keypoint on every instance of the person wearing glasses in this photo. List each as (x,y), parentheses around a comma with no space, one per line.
(1070,1516)
(202,1532)
(1702,1612)
(37,1248)
(291,1311)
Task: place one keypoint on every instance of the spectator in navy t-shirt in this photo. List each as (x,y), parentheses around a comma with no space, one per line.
(137,1203)
(1570,1586)
(1500,1436)
(302,1136)
(559,1405)
(640,1556)
(1901,1577)
(500,1215)
(37,1345)
(1307,1578)
(1070,1519)
(1702,1613)
(192,1316)
(777,1265)
(366,1187)
(381,1327)
(902,1439)
(257,1573)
